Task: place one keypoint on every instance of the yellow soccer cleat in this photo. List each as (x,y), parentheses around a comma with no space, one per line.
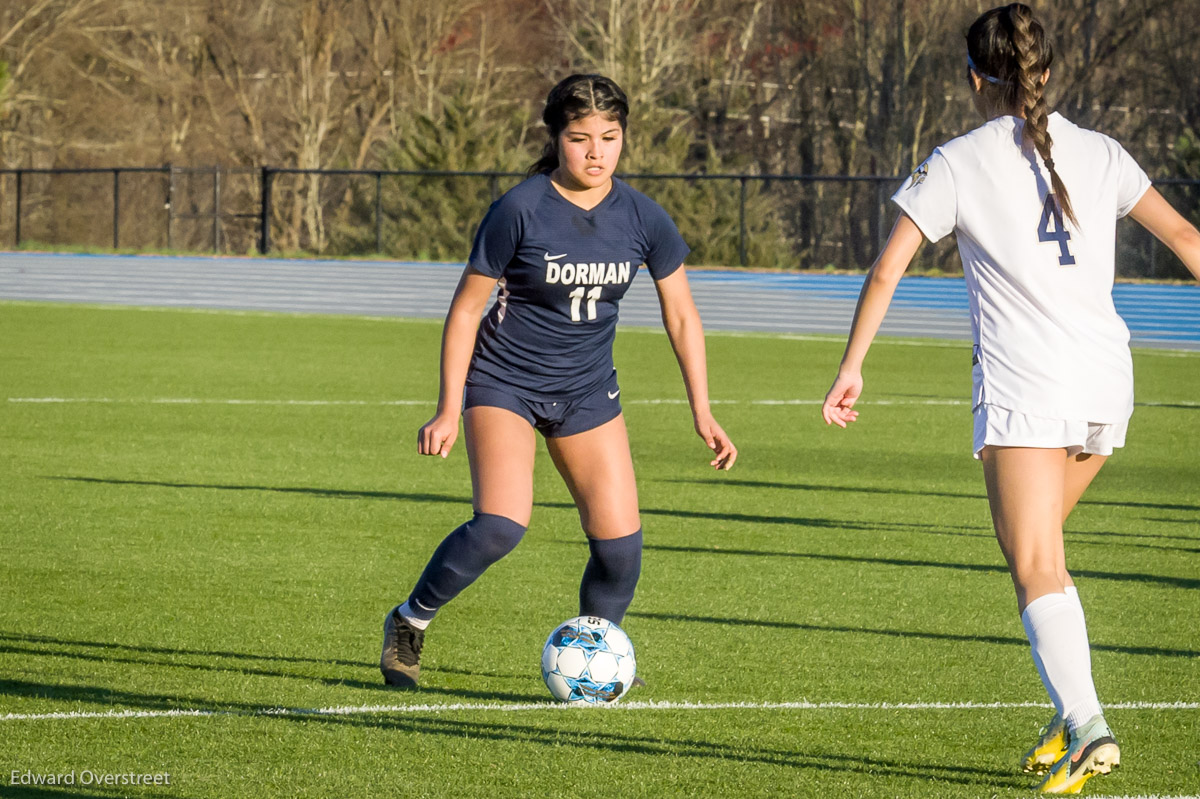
(1050,747)
(1093,750)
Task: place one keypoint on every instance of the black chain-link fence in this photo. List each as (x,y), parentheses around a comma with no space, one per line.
(757,221)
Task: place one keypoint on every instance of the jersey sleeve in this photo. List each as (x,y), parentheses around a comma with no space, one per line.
(1132,181)
(497,239)
(665,248)
(930,198)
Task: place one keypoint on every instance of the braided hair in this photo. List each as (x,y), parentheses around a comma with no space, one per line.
(1008,49)
(576,97)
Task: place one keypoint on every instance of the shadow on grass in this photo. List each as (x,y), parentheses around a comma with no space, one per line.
(916,492)
(113,699)
(425,497)
(829,524)
(1163,520)
(589,740)
(69,792)
(163,650)
(800,521)
(308,491)
(118,700)
(463,693)
(1133,577)
(608,743)
(974,639)
(1078,537)
(68,650)
(104,652)
(1081,537)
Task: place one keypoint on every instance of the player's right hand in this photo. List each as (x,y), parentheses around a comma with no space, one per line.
(437,436)
(839,402)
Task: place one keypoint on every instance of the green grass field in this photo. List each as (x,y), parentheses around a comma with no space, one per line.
(165,548)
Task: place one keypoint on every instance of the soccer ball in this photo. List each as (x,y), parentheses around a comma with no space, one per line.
(588,660)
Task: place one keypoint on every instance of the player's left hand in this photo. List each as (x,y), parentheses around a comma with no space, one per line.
(718,441)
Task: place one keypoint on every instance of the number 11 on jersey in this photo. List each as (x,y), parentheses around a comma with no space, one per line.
(1051,213)
(577,298)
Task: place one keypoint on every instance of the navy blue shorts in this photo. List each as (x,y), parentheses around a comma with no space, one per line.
(565,417)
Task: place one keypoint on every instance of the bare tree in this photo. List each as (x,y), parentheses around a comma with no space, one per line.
(644,45)
(34,35)
(769,86)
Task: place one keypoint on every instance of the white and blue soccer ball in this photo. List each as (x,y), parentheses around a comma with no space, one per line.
(589,661)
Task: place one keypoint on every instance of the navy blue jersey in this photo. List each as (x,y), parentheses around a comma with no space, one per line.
(562,270)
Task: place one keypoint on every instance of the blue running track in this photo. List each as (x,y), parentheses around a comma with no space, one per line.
(1158,315)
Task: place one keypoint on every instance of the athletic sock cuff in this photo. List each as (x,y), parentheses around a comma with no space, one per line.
(1081,714)
(627,544)
(415,615)
(1043,606)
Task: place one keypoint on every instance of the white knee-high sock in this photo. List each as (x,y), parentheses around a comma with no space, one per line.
(1058,637)
(1084,712)
(1073,595)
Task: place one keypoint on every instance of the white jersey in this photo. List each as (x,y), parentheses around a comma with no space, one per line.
(1048,340)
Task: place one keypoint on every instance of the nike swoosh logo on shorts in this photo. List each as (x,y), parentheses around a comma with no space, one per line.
(613,394)
(550,257)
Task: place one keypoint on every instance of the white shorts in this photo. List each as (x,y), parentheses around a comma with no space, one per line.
(1004,428)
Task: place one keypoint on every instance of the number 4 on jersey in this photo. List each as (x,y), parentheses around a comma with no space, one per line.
(1060,234)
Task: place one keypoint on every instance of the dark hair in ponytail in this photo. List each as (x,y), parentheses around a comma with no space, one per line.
(1009,50)
(576,97)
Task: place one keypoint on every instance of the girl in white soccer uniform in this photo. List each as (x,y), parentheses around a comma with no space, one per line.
(1033,202)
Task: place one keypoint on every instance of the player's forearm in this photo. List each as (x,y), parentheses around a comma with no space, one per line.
(1155,214)
(873,303)
(878,288)
(687,340)
(458,344)
(1186,246)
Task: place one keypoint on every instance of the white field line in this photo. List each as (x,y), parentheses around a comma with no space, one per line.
(840,337)
(387,403)
(518,707)
(380,403)
(882,341)
(200,401)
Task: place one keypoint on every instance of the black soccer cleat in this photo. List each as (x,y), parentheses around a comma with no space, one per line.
(401,658)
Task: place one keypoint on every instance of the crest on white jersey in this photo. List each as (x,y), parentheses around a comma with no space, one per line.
(919,176)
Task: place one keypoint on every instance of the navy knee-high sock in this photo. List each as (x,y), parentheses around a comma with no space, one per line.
(610,577)
(459,560)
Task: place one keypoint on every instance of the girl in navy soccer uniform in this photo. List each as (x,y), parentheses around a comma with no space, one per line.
(563,247)
(1052,372)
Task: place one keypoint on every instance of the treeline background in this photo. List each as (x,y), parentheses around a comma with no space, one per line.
(764,87)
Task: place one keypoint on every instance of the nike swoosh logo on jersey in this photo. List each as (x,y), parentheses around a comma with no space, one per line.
(613,394)
(550,257)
